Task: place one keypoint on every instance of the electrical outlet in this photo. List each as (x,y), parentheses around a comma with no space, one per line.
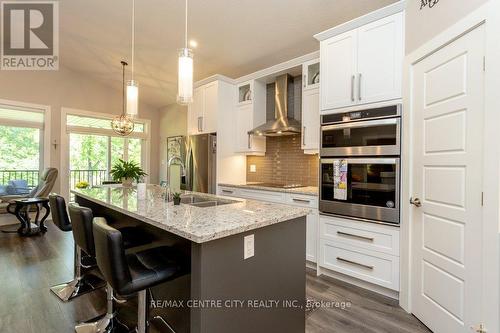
(248,246)
(253,168)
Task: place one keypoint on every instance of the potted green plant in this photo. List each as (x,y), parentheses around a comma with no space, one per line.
(127,172)
(177,198)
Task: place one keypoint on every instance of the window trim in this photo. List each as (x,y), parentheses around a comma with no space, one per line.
(45,127)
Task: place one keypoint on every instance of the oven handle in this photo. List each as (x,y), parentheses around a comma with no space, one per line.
(362,160)
(362,124)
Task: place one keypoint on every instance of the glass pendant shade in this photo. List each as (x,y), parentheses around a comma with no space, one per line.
(132,98)
(185,77)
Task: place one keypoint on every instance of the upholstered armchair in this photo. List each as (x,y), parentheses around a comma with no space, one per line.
(43,189)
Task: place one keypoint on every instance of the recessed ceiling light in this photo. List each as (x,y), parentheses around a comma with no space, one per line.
(193,43)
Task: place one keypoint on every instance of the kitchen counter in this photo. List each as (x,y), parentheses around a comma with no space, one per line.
(306,190)
(197,224)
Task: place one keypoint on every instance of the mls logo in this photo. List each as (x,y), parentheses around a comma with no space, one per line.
(29,35)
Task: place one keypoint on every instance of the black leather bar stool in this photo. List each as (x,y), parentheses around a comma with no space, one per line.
(82,282)
(81,225)
(128,274)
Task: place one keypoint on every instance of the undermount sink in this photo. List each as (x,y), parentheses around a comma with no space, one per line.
(202,202)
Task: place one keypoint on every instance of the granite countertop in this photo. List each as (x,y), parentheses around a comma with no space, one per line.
(306,190)
(194,223)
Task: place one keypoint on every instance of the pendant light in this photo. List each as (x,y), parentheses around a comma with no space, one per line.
(185,74)
(132,85)
(123,124)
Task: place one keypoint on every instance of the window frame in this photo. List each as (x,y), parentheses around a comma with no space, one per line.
(44,127)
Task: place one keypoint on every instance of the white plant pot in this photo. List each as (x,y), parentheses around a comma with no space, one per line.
(127,182)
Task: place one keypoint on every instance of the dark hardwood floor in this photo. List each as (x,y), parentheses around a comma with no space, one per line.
(29,266)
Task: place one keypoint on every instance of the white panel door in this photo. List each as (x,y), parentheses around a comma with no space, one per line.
(447,163)
(380,59)
(209,122)
(310,120)
(337,71)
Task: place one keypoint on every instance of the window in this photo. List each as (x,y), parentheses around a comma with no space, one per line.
(21,146)
(94,148)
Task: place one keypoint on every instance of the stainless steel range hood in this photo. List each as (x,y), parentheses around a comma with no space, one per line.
(283,122)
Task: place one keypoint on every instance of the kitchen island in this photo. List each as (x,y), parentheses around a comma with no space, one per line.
(224,292)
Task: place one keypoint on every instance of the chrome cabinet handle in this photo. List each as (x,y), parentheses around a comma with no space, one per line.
(353,78)
(301,200)
(416,202)
(249,141)
(359,86)
(303,135)
(199,125)
(227,191)
(354,263)
(340,233)
(305,80)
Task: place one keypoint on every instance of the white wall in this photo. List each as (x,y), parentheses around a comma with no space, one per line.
(422,25)
(173,122)
(67,88)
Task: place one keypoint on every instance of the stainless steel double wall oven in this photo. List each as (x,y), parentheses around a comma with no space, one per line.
(360,164)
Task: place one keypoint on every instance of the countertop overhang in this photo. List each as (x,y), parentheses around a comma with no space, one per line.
(305,190)
(196,224)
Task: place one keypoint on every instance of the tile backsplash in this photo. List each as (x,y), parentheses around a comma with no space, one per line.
(284,163)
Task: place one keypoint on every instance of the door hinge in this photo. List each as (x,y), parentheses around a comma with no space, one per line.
(480,329)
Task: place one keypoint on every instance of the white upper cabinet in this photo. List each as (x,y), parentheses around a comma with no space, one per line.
(310,107)
(338,68)
(363,65)
(250,113)
(380,60)
(202,113)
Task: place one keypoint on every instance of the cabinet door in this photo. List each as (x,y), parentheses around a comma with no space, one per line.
(310,120)
(337,70)
(195,112)
(244,123)
(380,58)
(312,236)
(209,116)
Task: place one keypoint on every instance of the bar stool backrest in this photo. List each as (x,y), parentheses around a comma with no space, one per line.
(59,212)
(81,220)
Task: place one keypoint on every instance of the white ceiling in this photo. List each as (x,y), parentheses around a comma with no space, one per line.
(235,37)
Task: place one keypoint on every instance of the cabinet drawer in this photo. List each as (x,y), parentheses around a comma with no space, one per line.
(302,200)
(277,197)
(377,268)
(369,236)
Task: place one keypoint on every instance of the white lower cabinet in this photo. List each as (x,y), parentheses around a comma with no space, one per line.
(302,200)
(366,251)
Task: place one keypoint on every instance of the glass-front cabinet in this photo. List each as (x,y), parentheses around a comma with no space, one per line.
(310,74)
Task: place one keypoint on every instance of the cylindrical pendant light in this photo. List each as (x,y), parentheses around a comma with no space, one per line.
(132,85)
(185,74)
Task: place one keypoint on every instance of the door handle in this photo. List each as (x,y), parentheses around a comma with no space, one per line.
(416,202)
(359,86)
(303,135)
(353,78)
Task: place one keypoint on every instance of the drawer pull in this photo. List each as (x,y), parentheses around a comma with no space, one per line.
(227,191)
(354,263)
(340,233)
(301,200)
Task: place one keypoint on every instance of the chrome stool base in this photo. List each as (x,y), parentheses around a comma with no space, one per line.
(77,287)
(107,324)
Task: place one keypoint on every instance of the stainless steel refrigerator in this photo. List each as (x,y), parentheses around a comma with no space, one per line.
(201,163)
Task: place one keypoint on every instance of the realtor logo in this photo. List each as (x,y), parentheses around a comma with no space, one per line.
(29,35)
